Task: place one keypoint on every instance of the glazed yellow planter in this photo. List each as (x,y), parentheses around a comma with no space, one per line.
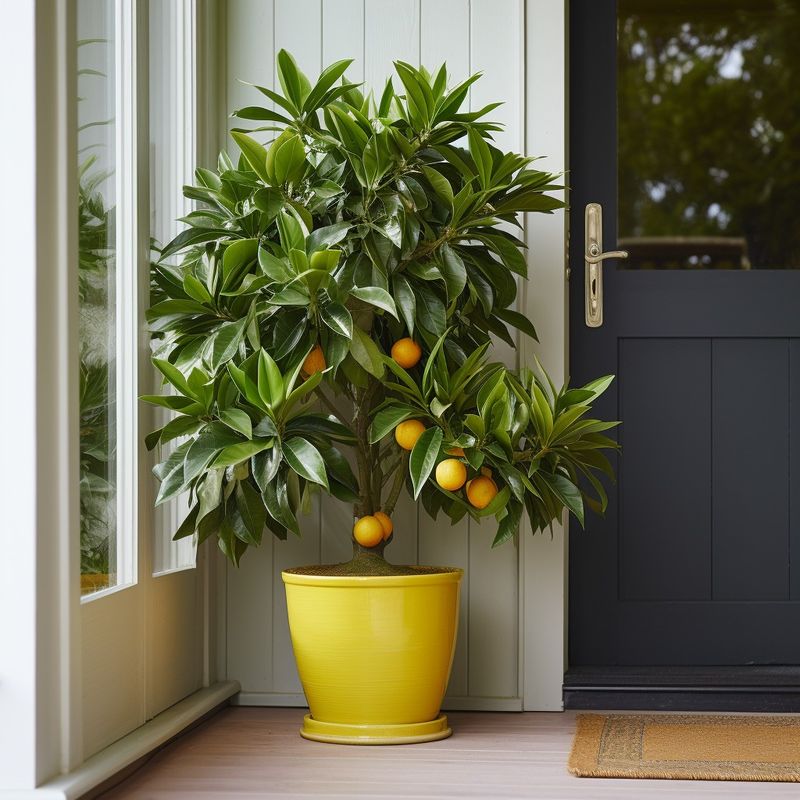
(374,654)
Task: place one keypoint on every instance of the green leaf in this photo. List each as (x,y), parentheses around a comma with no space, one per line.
(276,498)
(323,238)
(305,460)
(328,77)
(509,525)
(237,420)
(388,418)
(294,84)
(274,267)
(481,155)
(265,465)
(377,297)
(187,527)
(441,186)
(224,344)
(190,237)
(251,508)
(254,153)
(246,385)
(405,300)
(423,457)
(237,260)
(270,381)
(337,318)
(236,453)
(452,268)
(291,234)
(366,353)
(175,377)
(567,492)
(517,320)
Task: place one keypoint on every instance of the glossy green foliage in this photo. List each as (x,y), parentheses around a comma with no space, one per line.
(347,223)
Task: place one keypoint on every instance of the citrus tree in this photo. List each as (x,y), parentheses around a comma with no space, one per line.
(329,323)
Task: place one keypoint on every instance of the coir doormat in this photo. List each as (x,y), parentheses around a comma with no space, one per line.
(687,747)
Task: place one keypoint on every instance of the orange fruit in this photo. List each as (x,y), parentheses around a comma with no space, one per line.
(407,433)
(386,523)
(456,451)
(315,362)
(481,491)
(368,531)
(451,474)
(406,352)
(486,472)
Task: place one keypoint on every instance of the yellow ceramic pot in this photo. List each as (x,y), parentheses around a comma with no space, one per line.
(374,654)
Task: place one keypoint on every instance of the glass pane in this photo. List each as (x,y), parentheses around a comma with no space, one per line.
(709,133)
(97,197)
(171,166)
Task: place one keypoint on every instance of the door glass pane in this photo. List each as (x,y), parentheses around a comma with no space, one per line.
(172,158)
(97,199)
(709,133)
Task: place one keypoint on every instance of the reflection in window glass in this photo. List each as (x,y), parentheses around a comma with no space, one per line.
(97,281)
(171,159)
(709,133)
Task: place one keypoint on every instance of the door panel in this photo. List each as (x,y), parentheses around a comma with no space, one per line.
(662,378)
(692,564)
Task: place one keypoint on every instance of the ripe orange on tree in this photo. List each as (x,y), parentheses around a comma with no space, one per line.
(314,362)
(481,491)
(386,523)
(407,433)
(368,531)
(406,352)
(451,474)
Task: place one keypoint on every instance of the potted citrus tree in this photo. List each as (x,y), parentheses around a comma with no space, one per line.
(328,328)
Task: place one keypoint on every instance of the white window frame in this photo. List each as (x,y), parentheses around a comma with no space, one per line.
(41,614)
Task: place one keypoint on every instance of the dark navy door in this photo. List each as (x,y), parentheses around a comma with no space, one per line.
(685,128)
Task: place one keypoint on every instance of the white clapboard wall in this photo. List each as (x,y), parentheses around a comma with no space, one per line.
(470,35)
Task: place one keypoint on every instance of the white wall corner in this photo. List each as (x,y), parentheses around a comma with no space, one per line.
(543,561)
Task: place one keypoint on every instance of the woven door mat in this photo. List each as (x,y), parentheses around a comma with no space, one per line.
(687,747)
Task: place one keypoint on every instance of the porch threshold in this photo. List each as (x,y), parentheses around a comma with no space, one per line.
(774,689)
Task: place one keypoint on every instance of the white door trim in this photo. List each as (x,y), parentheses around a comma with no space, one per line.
(543,560)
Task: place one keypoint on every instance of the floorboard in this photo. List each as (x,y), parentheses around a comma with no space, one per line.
(257,753)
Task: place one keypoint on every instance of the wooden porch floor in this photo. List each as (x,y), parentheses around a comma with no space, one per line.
(257,752)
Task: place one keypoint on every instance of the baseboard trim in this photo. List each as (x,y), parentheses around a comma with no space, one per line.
(295,700)
(137,744)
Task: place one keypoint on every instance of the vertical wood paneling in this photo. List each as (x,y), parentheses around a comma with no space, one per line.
(439,541)
(248,622)
(496,33)
(249,55)
(375,33)
(544,300)
(391,31)
(452,16)
(343,35)
(750,487)
(298,29)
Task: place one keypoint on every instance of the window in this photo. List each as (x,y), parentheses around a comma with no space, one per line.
(97,242)
(172,158)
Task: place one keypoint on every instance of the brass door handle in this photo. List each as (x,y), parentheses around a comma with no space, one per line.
(593,257)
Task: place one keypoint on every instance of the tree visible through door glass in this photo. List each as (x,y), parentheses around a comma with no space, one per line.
(97,199)
(709,134)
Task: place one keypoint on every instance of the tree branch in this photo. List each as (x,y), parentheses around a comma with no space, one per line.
(397,485)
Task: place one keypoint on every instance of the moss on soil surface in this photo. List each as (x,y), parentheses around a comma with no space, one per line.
(366,565)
